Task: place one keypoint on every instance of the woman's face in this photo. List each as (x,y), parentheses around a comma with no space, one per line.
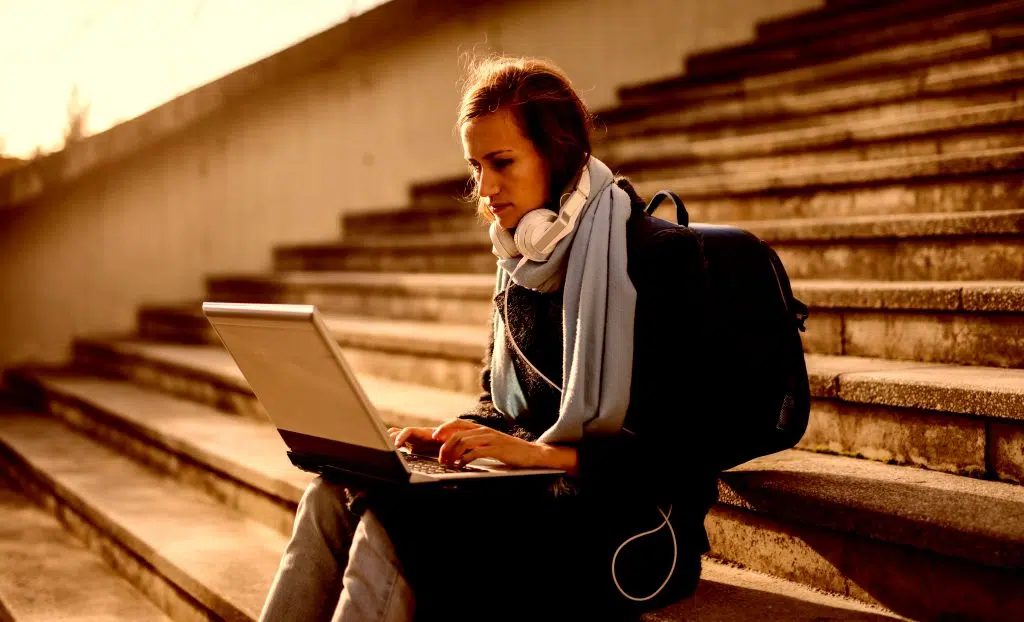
(511,175)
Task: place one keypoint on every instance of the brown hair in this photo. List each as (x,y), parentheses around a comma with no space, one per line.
(545,107)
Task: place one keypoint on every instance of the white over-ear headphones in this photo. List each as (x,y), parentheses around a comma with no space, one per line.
(540,230)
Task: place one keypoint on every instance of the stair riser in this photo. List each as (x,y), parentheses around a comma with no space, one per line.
(200,387)
(1000,72)
(663,157)
(100,538)
(962,445)
(373,260)
(431,371)
(900,578)
(797,53)
(418,221)
(994,340)
(942,196)
(275,512)
(907,260)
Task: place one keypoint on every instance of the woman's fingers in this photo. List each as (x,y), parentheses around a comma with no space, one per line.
(446,429)
(459,442)
(404,435)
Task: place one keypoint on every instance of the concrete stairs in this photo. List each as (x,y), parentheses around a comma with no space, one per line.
(875,145)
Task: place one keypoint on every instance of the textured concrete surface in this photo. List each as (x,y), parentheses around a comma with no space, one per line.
(728,594)
(222,559)
(913,583)
(971,519)
(46,575)
(170,366)
(932,440)
(670,111)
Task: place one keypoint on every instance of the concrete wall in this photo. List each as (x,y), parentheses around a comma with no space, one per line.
(281,163)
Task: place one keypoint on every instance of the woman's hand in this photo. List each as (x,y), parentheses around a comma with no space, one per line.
(421,440)
(462,444)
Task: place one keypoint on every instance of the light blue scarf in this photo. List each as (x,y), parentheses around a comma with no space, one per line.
(599,305)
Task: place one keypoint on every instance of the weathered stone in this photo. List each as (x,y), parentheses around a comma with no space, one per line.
(1006,450)
(204,550)
(48,575)
(936,441)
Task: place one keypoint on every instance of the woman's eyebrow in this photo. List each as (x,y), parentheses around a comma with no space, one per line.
(490,155)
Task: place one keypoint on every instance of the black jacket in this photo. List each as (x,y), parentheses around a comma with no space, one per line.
(572,528)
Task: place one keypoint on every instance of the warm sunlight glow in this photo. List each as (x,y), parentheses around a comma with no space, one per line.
(129,56)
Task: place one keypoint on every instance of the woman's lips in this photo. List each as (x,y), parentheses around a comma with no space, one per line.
(497,208)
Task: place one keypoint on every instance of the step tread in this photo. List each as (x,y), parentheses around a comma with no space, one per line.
(256,454)
(223,559)
(389,396)
(972,296)
(48,575)
(730,594)
(976,519)
(951,514)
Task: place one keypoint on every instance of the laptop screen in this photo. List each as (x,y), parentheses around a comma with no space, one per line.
(294,373)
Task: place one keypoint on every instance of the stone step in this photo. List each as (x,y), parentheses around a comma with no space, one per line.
(427,297)
(952,418)
(853,173)
(964,533)
(961,322)
(916,20)
(171,433)
(207,374)
(47,575)
(936,247)
(1001,72)
(914,133)
(184,550)
(940,125)
(926,545)
(879,64)
(965,193)
(861,16)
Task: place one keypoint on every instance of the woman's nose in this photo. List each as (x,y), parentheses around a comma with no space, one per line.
(488,185)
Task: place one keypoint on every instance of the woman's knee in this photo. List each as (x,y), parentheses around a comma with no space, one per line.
(324,499)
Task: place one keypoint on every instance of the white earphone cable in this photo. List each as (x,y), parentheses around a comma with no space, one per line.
(675,552)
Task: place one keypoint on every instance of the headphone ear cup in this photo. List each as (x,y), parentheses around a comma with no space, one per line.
(504,245)
(532,226)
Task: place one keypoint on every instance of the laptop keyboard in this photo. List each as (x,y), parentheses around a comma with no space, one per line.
(430,466)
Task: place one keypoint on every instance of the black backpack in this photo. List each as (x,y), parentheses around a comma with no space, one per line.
(756,362)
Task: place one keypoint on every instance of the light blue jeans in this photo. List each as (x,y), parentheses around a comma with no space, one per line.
(337,566)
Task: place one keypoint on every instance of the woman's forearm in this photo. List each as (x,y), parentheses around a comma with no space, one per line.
(559,457)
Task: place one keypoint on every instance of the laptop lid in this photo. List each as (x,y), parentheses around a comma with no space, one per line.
(306,386)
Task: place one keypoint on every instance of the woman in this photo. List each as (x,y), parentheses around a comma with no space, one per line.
(619,408)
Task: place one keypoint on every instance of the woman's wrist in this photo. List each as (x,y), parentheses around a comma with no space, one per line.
(558,457)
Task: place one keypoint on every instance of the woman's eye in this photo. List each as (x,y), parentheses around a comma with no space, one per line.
(502,163)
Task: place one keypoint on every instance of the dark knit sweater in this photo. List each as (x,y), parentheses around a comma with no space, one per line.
(658,458)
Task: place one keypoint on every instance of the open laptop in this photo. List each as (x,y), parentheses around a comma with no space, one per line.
(310,393)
